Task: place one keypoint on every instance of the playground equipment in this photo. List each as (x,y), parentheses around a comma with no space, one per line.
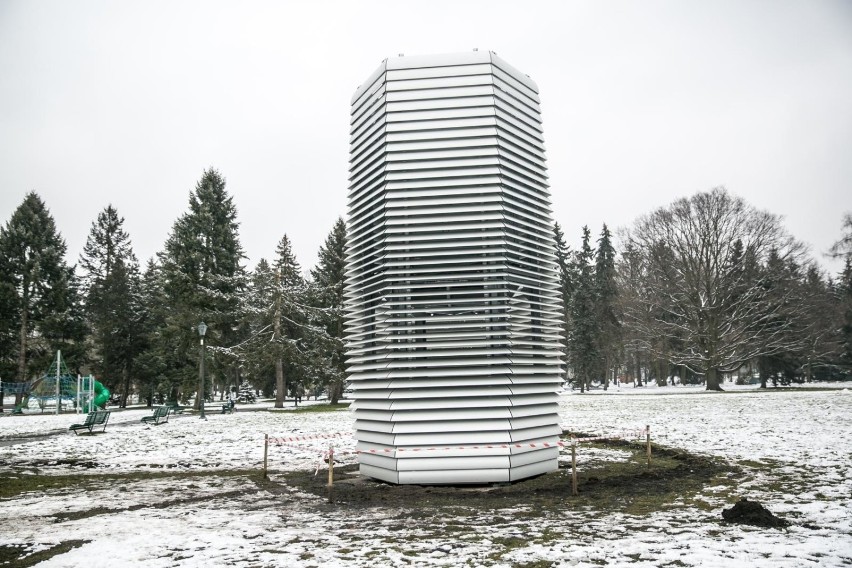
(100,398)
(57,387)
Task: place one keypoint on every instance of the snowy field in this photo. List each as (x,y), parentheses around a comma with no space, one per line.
(794,449)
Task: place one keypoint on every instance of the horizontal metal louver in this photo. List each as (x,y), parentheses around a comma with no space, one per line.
(452,314)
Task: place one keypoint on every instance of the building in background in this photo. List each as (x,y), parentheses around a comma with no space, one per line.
(452,312)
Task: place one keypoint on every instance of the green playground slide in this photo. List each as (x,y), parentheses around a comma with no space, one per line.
(101,397)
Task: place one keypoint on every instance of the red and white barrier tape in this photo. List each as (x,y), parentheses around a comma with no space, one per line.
(282,441)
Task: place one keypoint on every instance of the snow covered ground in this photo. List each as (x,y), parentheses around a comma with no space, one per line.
(794,448)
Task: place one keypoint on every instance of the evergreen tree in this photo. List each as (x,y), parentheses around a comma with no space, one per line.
(288,317)
(845,301)
(583,340)
(202,281)
(259,354)
(328,283)
(779,282)
(823,341)
(121,327)
(107,243)
(567,283)
(278,325)
(606,293)
(113,300)
(8,337)
(155,381)
(39,296)
(843,247)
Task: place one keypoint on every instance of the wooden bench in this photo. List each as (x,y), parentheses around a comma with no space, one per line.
(160,416)
(94,418)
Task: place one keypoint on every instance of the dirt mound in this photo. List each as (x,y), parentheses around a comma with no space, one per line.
(752,513)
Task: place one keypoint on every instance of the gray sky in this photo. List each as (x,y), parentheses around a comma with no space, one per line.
(643,102)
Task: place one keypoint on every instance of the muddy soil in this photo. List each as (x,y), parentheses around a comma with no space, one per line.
(632,486)
(747,512)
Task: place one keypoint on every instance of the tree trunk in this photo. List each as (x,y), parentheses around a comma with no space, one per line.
(335,392)
(280,384)
(22,352)
(712,378)
(125,379)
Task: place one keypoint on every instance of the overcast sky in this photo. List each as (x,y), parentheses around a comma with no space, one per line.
(643,102)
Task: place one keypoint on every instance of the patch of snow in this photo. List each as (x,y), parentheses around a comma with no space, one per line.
(794,448)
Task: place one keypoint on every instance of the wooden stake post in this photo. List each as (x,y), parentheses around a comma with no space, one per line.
(573,467)
(648,442)
(265,453)
(331,474)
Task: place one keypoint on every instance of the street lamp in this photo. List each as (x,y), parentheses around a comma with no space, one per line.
(202,330)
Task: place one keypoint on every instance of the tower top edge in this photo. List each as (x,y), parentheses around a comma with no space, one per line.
(442,60)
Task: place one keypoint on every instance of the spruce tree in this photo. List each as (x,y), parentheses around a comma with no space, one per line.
(843,247)
(567,284)
(606,294)
(39,296)
(113,300)
(107,243)
(276,317)
(260,354)
(823,326)
(845,300)
(328,283)
(8,337)
(288,317)
(202,279)
(151,367)
(583,340)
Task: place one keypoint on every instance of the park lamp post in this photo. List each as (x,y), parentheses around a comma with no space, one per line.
(202,330)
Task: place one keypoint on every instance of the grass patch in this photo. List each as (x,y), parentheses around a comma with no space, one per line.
(19,555)
(510,542)
(15,485)
(317,408)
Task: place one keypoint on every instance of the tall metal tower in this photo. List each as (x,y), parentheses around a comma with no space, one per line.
(452,309)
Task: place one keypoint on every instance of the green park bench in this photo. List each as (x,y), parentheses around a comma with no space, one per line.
(161,415)
(93,419)
(176,408)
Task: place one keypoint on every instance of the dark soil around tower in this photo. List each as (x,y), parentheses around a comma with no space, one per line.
(632,486)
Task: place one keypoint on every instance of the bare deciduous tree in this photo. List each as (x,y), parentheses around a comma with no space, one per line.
(714,302)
